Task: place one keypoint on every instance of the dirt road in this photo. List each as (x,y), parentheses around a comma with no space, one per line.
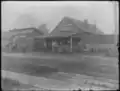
(48,66)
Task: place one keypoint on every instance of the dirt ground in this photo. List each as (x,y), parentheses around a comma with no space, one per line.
(48,65)
(9,84)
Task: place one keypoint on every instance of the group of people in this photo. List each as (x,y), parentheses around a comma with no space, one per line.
(64,46)
(60,47)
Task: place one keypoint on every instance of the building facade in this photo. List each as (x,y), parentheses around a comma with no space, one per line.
(23,39)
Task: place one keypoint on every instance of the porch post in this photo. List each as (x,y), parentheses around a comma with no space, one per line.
(52,45)
(71,44)
(45,43)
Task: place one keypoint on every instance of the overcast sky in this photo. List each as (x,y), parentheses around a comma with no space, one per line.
(21,14)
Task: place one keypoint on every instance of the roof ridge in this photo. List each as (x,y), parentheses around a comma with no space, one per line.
(27,29)
(22,29)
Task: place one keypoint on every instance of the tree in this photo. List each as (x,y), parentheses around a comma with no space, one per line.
(44,29)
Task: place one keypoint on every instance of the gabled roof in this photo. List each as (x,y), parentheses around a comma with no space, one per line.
(28,32)
(76,27)
(65,27)
(21,29)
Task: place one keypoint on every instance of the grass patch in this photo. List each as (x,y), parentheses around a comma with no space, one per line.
(9,84)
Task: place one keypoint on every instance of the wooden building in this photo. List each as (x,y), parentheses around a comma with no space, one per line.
(23,39)
(63,42)
(97,42)
(68,27)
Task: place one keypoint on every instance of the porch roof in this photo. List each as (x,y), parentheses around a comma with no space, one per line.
(61,38)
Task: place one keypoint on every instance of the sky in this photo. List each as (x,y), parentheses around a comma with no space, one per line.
(20,14)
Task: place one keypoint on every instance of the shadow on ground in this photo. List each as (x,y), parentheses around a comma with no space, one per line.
(47,67)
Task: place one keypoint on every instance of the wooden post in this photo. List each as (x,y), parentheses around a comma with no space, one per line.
(71,44)
(116,12)
(45,44)
(10,47)
(52,45)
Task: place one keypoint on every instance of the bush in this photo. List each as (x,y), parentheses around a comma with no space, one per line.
(13,85)
(9,84)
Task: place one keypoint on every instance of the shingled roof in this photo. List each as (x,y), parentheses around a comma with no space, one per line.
(27,32)
(64,28)
(68,26)
(86,27)
(26,29)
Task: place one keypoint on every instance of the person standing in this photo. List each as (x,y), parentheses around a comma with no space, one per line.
(54,46)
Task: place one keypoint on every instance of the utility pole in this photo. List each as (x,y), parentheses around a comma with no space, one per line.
(70,43)
(95,24)
(116,18)
(116,14)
